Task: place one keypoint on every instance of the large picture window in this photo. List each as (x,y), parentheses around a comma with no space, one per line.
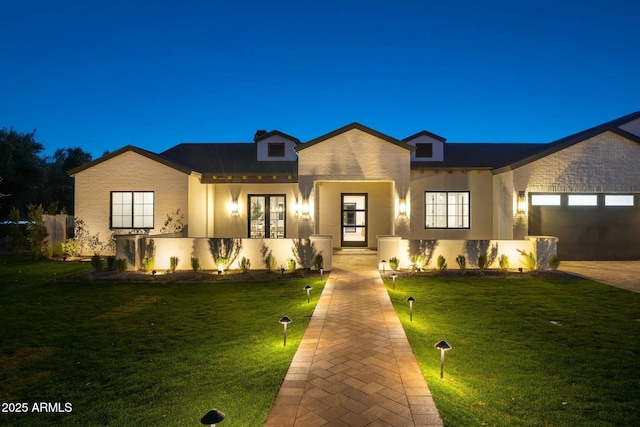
(446,209)
(132,209)
(267,216)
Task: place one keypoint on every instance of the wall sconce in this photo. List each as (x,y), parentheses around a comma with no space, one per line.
(521,203)
(233,207)
(402,207)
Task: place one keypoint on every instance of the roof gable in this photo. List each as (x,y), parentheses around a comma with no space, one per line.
(353,126)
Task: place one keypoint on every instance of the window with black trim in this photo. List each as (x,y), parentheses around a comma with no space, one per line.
(267,216)
(132,209)
(424,149)
(446,209)
(276,149)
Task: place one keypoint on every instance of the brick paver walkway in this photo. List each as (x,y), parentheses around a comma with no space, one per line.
(354,366)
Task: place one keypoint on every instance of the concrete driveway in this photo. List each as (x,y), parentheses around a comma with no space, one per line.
(621,274)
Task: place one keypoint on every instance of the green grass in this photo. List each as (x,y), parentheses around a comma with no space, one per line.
(530,351)
(146,353)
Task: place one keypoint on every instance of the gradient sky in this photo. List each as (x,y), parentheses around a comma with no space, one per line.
(103,74)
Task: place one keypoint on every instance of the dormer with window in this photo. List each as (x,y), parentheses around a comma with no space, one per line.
(275,146)
(429,147)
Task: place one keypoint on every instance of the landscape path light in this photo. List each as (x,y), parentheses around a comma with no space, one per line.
(443,346)
(308,288)
(394,276)
(384,265)
(285,321)
(411,300)
(212,417)
(321,272)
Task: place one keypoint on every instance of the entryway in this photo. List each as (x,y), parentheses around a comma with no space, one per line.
(354,220)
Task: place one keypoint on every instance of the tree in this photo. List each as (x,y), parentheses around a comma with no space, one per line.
(59,183)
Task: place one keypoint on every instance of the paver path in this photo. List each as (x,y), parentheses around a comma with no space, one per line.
(354,366)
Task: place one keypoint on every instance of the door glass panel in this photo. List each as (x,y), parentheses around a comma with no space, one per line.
(257,206)
(354,217)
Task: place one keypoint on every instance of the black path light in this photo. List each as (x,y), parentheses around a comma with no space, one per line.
(384,265)
(212,417)
(411,300)
(394,276)
(443,346)
(308,288)
(285,321)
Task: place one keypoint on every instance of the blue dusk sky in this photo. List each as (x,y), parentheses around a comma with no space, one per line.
(100,74)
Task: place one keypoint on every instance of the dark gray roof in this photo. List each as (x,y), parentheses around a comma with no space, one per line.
(480,155)
(228,159)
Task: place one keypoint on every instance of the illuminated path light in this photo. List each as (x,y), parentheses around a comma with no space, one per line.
(394,276)
(285,321)
(308,288)
(411,301)
(443,346)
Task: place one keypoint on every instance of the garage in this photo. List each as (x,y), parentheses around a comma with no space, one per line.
(595,226)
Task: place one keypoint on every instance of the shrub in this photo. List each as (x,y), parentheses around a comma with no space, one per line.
(529,260)
(291,264)
(483,262)
(36,231)
(245,264)
(173,263)
(503,262)
(121,265)
(394,263)
(111,263)
(148,264)
(270,262)
(96,262)
(462,263)
(222,263)
(318,262)
(58,250)
(442,263)
(195,264)
(554,262)
(71,247)
(417,262)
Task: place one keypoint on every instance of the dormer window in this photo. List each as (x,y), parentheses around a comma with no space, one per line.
(276,149)
(424,149)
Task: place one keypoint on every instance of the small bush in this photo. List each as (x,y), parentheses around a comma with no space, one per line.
(483,262)
(121,265)
(394,263)
(245,264)
(173,263)
(417,262)
(442,264)
(270,262)
(222,263)
(97,263)
(195,264)
(554,262)
(503,262)
(71,247)
(58,250)
(111,263)
(48,251)
(318,262)
(462,263)
(529,260)
(291,264)
(148,264)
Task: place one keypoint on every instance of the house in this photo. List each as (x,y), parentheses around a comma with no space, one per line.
(356,184)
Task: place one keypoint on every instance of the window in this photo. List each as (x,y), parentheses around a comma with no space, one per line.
(267,216)
(545,200)
(583,200)
(276,149)
(618,200)
(447,209)
(424,149)
(132,209)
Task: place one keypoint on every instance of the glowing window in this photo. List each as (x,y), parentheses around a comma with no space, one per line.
(447,209)
(132,209)
(583,200)
(545,200)
(618,200)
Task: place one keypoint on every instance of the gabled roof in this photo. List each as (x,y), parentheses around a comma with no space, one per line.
(562,143)
(140,151)
(359,127)
(276,132)
(227,159)
(424,133)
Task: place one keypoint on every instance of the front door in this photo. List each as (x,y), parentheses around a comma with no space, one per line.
(354,220)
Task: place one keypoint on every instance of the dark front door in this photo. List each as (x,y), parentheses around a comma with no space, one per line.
(354,220)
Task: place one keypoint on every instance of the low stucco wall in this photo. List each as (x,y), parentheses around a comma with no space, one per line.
(543,247)
(133,248)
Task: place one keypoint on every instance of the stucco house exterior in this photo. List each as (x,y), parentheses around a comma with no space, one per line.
(357,185)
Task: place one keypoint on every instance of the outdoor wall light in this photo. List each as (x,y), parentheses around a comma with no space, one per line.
(233,207)
(285,321)
(212,417)
(305,208)
(394,276)
(443,346)
(411,300)
(308,288)
(521,203)
(402,207)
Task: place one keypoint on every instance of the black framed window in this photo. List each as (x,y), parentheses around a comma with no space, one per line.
(276,149)
(447,209)
(267,216)
(424,149)
(132,209)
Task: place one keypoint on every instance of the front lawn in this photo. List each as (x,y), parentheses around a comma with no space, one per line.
(551,350)
(148,353)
